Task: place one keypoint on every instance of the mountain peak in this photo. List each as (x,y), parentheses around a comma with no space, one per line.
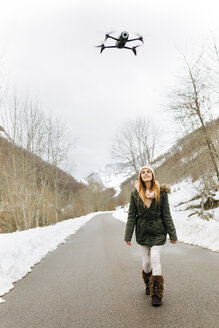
(112,175)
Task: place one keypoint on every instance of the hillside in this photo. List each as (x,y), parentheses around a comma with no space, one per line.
(32,192)
(189,157)
(36,193)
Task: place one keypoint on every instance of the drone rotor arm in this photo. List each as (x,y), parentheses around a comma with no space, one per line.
(110,47)
(110,37)
(132,40)
(137,39)
(102,47)
(133,49)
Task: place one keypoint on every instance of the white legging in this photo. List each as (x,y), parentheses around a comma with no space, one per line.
(151,259)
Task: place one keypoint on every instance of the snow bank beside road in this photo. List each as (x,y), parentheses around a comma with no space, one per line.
(193,230)
(20,251)
(190,229)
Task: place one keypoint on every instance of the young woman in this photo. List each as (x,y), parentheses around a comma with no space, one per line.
(149,215)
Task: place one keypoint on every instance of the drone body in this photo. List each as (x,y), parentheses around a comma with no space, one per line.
(121,42)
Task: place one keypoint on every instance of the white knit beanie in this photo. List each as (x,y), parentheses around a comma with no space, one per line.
(147,166)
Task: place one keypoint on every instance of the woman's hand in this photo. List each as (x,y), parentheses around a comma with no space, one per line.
(128,243)
(172,242)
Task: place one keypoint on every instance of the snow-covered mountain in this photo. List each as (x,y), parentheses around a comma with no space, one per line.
(112,175)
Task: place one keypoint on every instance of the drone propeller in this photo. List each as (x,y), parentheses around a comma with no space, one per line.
(111,32)
(102,46)
(107,35)
(134,49)
(140,37)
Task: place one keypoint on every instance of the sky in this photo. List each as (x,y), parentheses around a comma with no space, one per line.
(48,51)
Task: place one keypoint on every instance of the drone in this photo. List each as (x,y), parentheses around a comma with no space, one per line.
(121,42)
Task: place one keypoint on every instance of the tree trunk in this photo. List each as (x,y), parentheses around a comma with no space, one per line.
(210,147)
(207,138)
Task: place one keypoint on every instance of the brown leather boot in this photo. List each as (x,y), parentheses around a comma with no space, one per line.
(146,277)
(156,289)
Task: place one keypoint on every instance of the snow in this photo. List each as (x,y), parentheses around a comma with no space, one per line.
(20,251)
(216,197)
(190,229)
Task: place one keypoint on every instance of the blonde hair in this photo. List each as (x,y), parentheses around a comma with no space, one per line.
(154,187)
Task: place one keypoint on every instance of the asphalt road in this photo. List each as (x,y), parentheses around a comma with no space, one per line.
(94,280)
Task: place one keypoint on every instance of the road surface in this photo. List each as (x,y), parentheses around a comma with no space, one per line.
(94,281)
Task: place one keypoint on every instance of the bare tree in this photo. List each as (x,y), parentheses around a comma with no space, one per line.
(22,121)
(31,199)
(213,62)
(136,142)
(192,102)
(57,152)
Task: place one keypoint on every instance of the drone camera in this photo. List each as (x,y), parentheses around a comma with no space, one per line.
(125,35)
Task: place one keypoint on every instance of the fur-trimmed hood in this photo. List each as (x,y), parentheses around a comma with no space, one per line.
(165,187)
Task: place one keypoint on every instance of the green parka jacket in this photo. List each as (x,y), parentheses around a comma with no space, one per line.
(151,224)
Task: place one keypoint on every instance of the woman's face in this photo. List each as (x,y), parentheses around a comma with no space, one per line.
(146,175)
